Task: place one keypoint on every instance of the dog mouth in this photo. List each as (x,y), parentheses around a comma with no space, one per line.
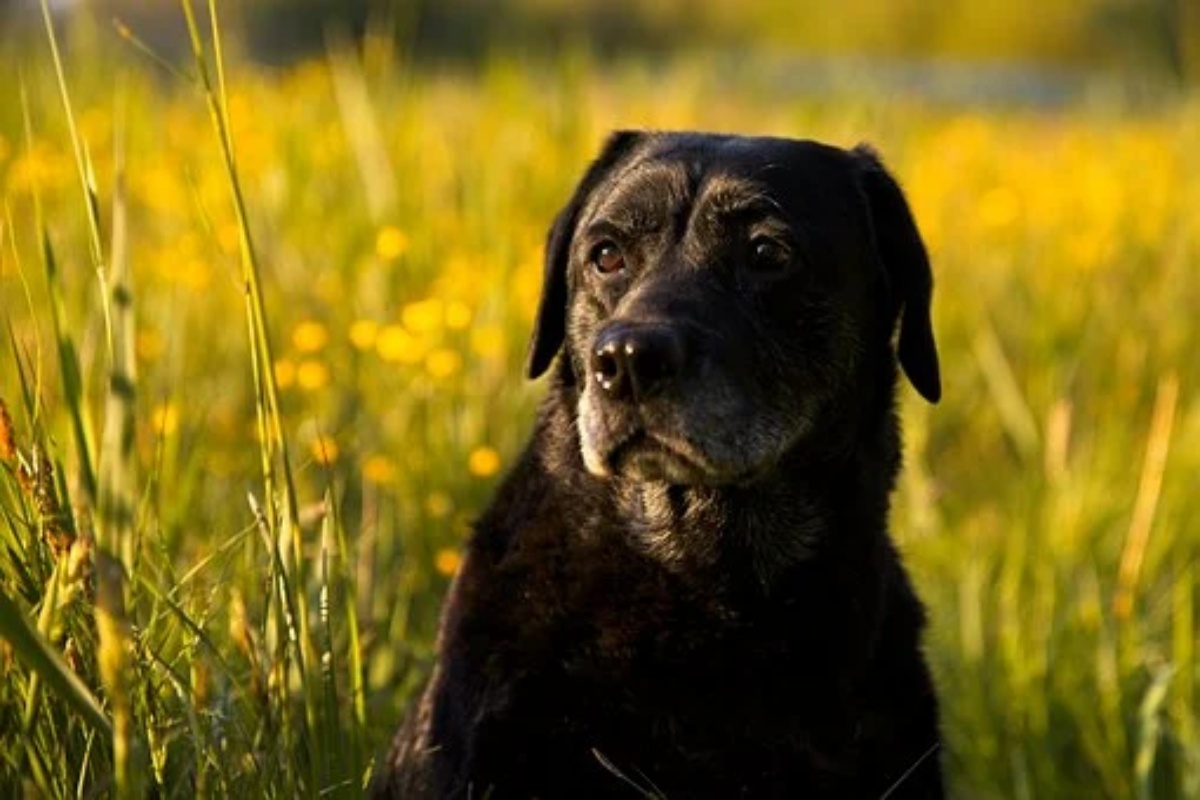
(666,445)
(650,457)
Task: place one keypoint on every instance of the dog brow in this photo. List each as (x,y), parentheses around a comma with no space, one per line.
(725,196)
(642,199)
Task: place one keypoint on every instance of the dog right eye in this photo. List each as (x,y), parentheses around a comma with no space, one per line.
(768,256)
(607,258)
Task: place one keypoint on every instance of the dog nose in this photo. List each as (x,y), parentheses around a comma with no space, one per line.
(633,362)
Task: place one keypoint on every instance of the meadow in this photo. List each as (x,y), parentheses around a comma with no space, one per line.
(263,332)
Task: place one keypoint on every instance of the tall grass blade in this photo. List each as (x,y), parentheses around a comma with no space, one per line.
(1014,411)
(116,663)
(68,359)
(361,128)
(1150,731)
(1183,703)
(1158,443)
(331,750)
(280,512)
(83,165)
(28,366)
(41,657)
(118,490)
(349,596)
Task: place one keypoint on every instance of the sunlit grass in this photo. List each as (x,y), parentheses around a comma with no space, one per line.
(299,381)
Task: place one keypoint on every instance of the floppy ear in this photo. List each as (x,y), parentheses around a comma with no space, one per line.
(550,325)
(906,266)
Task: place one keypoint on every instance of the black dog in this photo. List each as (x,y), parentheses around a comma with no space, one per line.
(686,583)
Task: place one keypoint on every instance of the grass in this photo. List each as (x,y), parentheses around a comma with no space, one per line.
(261,336)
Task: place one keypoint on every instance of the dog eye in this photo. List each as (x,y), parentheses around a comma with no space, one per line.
(607,258)
(768,255)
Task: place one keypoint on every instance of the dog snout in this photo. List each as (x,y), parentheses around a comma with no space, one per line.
(632,362)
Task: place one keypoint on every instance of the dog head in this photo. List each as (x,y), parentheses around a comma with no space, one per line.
(719,298)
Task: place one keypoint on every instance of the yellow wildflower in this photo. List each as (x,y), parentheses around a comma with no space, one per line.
(483,462)
(312,374)
(999,207)
(443,362)
(324,450)
(165,419)
(447,561)
(391,243)
(458,315)
(309,336)
(395,343)
(379,469)
(285,373)
(423,316)
(363,333)
(39,167)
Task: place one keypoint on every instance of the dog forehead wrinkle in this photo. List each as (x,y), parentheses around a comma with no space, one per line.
(723,194)
(643,195)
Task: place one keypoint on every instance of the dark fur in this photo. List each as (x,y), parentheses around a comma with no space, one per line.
(709,601)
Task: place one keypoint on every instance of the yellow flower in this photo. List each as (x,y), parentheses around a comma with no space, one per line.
(363,333)
(483,462)
(391,243)
(166,419)
(447,561)
(458,315)
(379,469)
(312,374)
(39,167)
(324,450)
(438,505)
(285,373)
(443,362)
(309,336)
(395,343)
(423,316)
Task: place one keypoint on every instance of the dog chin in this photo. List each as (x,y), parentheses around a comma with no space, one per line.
(651,464)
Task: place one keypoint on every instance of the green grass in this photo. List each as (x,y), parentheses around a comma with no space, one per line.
(262,332)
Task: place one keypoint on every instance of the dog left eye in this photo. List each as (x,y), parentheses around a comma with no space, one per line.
(607,258)
(768,255)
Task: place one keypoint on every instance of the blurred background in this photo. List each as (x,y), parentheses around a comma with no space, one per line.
(1157,39)
(266,283)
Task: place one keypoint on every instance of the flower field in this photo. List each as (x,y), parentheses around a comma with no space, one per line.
(260,366)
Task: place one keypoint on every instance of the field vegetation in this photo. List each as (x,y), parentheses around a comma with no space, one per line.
(262,332)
